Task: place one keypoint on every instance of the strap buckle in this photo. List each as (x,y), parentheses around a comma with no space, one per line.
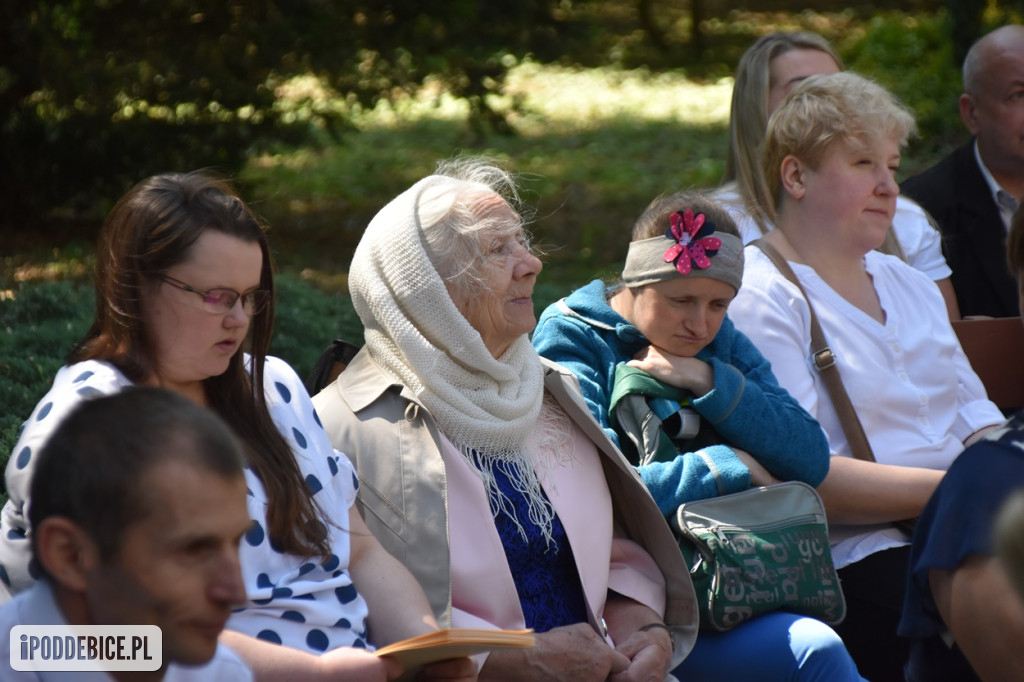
(824,358)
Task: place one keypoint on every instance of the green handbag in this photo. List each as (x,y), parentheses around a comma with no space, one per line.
(760,550)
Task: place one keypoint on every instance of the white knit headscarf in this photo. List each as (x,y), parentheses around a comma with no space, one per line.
(484,405)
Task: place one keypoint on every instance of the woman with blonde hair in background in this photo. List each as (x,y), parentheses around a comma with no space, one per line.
(767,72)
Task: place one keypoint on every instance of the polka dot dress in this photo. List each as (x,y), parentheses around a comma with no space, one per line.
(71,385)
(309,604)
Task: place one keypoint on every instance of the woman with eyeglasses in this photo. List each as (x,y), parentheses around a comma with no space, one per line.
(184,300)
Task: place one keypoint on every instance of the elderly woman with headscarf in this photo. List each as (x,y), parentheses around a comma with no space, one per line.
(482,469)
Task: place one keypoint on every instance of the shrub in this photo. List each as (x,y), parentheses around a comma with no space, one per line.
(912,56)
(307,319)
(39,325)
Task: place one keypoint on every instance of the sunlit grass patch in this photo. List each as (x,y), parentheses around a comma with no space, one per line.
(587,99)
(592,146)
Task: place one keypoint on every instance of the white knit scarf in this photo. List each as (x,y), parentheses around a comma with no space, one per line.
(414,330)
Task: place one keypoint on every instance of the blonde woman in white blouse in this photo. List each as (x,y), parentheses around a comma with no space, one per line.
(830,157)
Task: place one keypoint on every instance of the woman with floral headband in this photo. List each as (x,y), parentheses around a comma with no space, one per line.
(667,319)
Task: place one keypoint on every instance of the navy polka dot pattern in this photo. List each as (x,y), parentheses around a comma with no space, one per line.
(298,599)
(317,640)
(283,391)
(346,595)
(269,636)
(71,385)
(254,536)
(292,600)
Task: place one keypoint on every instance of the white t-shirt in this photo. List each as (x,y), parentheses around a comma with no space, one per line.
(911,384)
(920,239)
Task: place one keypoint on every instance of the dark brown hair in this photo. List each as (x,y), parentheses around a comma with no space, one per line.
(655,219)
(152,228)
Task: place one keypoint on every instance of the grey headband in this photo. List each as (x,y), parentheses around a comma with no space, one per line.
(646,259)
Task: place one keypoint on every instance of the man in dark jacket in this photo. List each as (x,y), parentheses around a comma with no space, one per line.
(973,192)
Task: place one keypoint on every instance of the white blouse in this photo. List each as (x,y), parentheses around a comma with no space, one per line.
(911,384)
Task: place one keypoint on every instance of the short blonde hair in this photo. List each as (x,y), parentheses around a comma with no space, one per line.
(826,109)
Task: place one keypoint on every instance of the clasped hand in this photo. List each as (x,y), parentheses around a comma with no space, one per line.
(689,374)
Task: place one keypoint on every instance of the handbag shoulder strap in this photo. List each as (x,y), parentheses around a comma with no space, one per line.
(825,362)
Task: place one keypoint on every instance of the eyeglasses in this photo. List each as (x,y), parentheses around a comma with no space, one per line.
(221,301)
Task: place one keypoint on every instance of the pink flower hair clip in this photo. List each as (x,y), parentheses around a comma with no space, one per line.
(694,246)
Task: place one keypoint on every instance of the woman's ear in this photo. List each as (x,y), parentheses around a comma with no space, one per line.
(792,176)
(66,552)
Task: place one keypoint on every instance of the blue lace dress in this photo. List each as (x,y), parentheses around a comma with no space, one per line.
(546,578)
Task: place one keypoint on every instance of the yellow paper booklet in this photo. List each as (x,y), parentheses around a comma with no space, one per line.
(417,652)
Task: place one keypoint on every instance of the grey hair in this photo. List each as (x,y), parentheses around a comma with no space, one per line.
(458,228)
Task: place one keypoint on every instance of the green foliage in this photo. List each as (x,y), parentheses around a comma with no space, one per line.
(911,55)
(95,95)
(39,325)
(307,319)
(594,146)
